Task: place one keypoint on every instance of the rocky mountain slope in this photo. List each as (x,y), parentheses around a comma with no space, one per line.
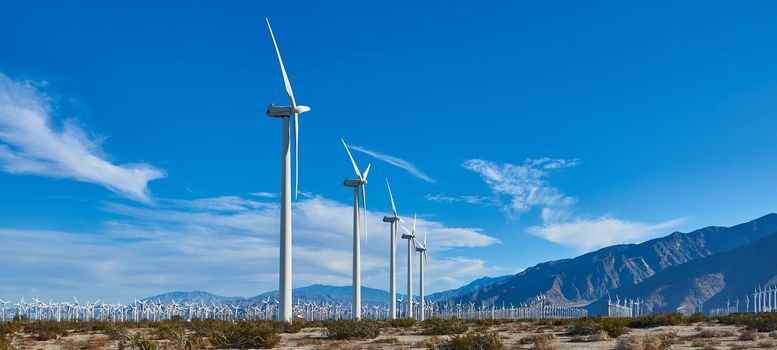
(586,278)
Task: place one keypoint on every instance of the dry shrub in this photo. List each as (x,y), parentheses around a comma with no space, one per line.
(629,343)
(599,336)
(438,326)
(592,325)
(309,341)
(660,341)
(389,340)
(244,335)
(353,329)
(749,334)
(773,334)
(402,322)
(544,342)
(710,333)
(429,343)
(136,342)
(474,341)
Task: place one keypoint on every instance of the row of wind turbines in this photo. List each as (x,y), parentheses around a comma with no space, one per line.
(286,114)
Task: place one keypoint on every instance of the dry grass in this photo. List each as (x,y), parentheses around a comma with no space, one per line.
(749,335)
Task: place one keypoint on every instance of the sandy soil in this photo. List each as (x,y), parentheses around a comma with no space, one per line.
(393,338)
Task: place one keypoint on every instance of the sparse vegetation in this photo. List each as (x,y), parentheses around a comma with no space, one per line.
(614,327)
(439,326)
(749,334)
(353,329)
(244,335)
(402,322)
(474,341)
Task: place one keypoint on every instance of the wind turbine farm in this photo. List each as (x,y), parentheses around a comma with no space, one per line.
(590,176)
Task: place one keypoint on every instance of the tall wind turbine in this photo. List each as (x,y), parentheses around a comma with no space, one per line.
(286,113)
(409,236)
(358,184)
(421,249)
(392,220)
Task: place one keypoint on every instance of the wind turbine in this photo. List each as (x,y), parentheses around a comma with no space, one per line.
(421,249)
(358,186)
(392,220)
(409,236)
(286,113)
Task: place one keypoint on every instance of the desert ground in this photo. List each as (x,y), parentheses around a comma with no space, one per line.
(342,335)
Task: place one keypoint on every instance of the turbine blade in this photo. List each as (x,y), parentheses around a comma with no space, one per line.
(367,172)
(296,155)
(394,207)
(355,168)
(415,216)
(283,69)
(425,239)
(405,228)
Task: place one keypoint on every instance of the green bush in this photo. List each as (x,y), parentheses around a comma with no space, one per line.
(353,329)
(136,342)
(243,335)
(658,320)
(614,327)
(439,326)
(402,322)
(474,341)
(46,330)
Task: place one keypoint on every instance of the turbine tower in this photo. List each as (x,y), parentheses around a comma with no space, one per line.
(392,220)
(286,113)
(409,236)
(358,184)
(421,249)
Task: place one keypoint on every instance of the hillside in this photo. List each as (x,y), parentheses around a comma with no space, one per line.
(586,278)
(708,281)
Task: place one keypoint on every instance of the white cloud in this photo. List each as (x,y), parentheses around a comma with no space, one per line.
(400,163)
(470,199)
(227,245)
(523,185)
(588,234)
(264,194)
(32,143)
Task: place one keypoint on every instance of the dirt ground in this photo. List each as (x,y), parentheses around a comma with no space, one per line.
(512,334)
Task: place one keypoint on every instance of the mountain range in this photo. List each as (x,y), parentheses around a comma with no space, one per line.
(681,270)
(320,294)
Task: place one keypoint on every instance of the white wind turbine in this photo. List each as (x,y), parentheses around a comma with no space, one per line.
(409,236)
(392,220)
(286,113)
(421,249)
(358,184)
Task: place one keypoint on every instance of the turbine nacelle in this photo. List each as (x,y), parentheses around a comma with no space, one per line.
(391,219)
(274,111)
(353,183)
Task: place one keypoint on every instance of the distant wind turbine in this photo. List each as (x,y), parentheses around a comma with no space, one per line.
(286,113)
(392,220)
(421,249)
(409,236)
(358,186)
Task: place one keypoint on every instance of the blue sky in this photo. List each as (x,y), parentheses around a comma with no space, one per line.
(136,158)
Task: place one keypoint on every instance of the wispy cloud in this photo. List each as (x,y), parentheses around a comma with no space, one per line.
(225,244)
(400,163)
(264,194)
(523,187)
(441,198)
(32,143)
(586,235)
